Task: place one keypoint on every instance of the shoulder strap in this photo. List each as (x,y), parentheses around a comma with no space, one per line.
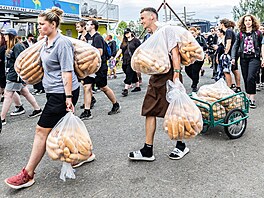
(240,35)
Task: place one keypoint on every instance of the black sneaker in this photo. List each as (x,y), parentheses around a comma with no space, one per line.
(237,90)
(252,105)
(194,89)
(125,92)
(35,113)
(18,111)
(86,115)
(3,122)
(115,109)
(136,89)
(35,91)
(40,92)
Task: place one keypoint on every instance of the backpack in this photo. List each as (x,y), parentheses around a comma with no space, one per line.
(108,51)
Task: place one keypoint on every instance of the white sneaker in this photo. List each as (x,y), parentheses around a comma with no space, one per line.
(177,154)
(90,159)
(258,87)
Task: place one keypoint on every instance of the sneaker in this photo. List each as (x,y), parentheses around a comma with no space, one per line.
(136,89)
(137,156)
(82,106)
(261,84)
(237,90)
(252,104)
(177,154)
(18,111)
(40,92)
(194,89)
(21,180)
(35,91)
(35,113)
(125,92)
(90,159)
(86,115)
(115,109)
(3,122)
(258,87)
(2,99)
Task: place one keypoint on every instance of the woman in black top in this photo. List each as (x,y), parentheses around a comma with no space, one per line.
(129,44)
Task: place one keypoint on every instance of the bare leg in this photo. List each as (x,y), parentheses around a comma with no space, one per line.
(109,93)
(150,129)
(17,99)
(38,150)
(87,95)
(228,79)
(237,77)
(7,103)
(30,98)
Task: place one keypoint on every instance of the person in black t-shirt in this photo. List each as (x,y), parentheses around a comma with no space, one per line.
(230,37)
(129,44)
(111,63)
(81,29)
(100,78)
(212,42)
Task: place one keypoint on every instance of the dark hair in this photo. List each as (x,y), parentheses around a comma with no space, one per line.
(95,23)
(222,31)
(30,35)
(150,9)
(3,42)
(53,14)
(82,23)
(110,36)
(225,22)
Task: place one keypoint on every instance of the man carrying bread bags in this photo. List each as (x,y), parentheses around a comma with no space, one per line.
(155,103)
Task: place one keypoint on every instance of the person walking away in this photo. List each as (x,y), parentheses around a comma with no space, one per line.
(227,26)
(128,46)
(155,103)
(248,48)
(14,82)
(193,70)
(220,49)
(100,79)
(61,96)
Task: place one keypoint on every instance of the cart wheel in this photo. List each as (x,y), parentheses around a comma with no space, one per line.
(236,130)
(205,128)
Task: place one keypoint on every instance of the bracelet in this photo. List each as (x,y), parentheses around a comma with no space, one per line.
(69,96)
(177,70)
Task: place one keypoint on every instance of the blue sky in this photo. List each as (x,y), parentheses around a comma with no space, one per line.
(203,9)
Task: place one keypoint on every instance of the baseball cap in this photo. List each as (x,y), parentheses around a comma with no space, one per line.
(127,30)
(10,31)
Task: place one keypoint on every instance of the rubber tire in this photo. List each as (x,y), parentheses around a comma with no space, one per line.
(244,126)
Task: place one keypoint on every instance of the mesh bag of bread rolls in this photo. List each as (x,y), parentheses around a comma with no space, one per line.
(87,58)
(87,61)
(69,142)
(218,90)
(28,65)
(183,119)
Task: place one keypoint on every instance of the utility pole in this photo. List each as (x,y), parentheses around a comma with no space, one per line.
(107,6)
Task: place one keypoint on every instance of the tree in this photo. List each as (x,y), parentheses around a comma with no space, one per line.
(120,28)
(255,7)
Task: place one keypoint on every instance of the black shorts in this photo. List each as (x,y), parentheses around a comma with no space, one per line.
(235,66)
(55,108)
(100,80)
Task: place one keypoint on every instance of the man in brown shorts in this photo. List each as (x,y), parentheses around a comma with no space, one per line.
(155,103)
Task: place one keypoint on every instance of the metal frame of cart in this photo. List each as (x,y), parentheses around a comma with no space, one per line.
(235,121)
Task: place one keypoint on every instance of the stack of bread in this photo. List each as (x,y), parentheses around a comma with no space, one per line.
(70,145)
(87,60)
(190,52)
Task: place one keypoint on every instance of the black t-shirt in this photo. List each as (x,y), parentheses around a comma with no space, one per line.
(98,42)
(112,45)
(129,49)
(87,36)
(230,34)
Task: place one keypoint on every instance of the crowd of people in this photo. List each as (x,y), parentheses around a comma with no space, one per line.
(225,50)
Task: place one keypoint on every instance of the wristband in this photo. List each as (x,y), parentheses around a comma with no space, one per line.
(69,96)
(177,70)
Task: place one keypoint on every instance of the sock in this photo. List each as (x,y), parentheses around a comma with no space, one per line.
(180,145)
(147,150)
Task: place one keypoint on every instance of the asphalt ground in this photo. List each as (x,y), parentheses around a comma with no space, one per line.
(215,167)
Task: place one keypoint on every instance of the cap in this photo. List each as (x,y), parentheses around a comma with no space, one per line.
(127,30)
(10,31)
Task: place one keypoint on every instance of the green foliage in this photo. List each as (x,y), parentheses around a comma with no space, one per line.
(120,28)
(255,7)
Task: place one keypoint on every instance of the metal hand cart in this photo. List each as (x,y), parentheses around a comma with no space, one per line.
(230,112)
